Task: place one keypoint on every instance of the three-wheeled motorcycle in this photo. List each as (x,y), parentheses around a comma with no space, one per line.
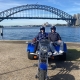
(32,54)
(42,54)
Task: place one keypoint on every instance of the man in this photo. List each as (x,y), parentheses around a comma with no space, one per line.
(55,38)
(1,32)
(41,35)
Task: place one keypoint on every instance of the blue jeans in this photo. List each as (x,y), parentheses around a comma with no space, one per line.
(52,44)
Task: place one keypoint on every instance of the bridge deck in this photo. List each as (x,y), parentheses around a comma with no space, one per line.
(36,18)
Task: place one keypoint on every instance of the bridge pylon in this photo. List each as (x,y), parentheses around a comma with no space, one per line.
(71,22)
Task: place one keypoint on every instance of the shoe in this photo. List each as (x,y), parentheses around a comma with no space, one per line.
(55,53)
(37,52)
(60,52)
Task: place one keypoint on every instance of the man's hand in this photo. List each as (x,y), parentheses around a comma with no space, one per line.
(59,40)
(34,40)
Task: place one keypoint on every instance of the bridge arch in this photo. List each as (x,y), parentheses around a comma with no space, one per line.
(7,13)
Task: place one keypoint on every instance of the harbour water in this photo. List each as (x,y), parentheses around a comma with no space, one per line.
(68,34)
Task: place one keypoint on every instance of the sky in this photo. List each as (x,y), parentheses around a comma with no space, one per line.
(69,6)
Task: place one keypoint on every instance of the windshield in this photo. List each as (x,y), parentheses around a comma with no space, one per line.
(44,42)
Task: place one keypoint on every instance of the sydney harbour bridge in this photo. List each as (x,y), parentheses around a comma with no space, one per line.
(37,11)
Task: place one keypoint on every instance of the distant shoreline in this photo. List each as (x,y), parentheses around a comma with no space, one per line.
(64,25)
(34,26)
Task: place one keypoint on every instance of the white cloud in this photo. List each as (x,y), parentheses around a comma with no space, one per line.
(74,9)
(77,4)
(9,4)
(55,2)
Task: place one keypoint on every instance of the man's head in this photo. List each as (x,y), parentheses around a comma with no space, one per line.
(53,29)
(42,29)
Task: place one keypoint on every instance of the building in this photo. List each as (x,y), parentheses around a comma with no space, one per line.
(77,16)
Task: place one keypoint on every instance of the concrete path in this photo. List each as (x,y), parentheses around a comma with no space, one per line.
(14,64)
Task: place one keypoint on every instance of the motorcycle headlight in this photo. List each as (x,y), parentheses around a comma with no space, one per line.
(49,53)
(44,48)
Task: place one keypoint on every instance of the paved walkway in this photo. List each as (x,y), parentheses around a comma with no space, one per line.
(14,64)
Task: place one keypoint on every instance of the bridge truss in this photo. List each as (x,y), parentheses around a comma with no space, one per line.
(61,15)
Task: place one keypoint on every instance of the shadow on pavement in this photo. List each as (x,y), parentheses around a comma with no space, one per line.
(65,68)
(62,77)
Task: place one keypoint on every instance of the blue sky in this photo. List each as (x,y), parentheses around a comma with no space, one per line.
(70,6)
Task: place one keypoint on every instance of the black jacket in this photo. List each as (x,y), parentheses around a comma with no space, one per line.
(42,36)
(54,36)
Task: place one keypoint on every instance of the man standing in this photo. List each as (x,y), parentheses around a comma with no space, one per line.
(1,32)
(55,38)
